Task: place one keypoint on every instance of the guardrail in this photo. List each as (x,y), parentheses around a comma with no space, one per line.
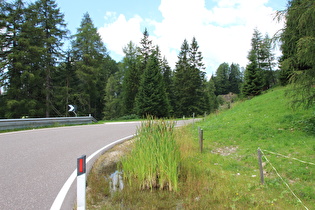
(11,124)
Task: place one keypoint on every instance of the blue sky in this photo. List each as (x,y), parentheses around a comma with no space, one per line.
(223,28)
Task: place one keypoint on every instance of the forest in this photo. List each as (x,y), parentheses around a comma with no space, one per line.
(40,78)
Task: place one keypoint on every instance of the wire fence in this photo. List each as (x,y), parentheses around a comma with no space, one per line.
(278,174)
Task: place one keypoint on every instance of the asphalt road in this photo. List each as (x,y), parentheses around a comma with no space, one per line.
(35,164)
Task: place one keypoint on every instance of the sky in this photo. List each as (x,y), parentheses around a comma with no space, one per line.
(223,28)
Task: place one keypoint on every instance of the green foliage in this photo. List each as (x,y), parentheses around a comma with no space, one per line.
(297,62)
(189,82)
(151,98)
(30,60)
(213,101)
(154,160)
(222,79)
(226,174)
(113,107)
(131,78)
(92,66)
(253,75)
(252,78)
(129,117)
(227,79)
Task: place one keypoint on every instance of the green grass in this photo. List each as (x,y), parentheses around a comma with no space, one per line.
(153,163)
(226,174)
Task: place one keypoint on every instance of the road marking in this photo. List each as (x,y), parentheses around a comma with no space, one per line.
(65,188)
(121,123)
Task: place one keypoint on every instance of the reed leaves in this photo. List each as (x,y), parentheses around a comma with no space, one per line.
(154,161)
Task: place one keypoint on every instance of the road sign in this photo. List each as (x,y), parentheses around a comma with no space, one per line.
(71,108)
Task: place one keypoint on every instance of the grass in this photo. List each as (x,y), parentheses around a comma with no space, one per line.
(226,174)
(154,161)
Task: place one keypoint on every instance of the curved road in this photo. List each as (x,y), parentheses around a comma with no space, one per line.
(35,164)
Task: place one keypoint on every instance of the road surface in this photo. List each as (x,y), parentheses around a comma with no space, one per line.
(36,164)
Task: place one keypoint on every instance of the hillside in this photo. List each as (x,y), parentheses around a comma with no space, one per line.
(268,122)
(226,174)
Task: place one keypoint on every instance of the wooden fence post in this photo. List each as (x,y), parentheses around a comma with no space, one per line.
(200,139)
(260,166)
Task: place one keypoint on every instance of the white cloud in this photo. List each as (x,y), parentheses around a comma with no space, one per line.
(118,33)
(223,32)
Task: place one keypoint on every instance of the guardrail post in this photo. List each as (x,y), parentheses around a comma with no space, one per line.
(81,183)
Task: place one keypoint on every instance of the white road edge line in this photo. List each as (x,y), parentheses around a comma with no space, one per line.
(65,188)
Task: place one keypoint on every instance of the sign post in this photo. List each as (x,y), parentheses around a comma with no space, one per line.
(81,182)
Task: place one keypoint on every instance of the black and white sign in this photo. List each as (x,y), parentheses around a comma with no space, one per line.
(72,108)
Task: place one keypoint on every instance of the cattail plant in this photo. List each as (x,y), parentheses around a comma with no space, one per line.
(154,160)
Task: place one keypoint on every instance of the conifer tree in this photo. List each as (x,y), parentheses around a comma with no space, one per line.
(181,79)
(151,98)
(65,83)
(235,79)
(90,56)
(50,21)
(252,77)
(145,50)
(298,49)
(112,99)
(22,55)
(131,78)
(189,81)
(213,102)
(168,79)
(222,79)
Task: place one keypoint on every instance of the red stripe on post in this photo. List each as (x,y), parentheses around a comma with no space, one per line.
(81,165)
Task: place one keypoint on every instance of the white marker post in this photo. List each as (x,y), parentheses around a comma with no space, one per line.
(81,182)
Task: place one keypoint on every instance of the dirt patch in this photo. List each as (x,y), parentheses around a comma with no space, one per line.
(225,151)
(107,162)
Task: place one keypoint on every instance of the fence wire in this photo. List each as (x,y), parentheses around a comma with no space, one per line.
(299,200)
(274,153)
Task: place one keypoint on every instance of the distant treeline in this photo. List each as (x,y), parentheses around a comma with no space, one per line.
(38,78)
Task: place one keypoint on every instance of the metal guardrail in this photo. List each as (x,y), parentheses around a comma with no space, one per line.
(11,124)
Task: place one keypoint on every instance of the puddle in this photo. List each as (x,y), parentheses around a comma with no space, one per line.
(116,181)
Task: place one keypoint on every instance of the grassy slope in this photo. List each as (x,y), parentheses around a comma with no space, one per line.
(226,174)
(266,122)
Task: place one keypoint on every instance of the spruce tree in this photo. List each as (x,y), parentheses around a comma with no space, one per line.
(235,79)
(189,81)
(222,79)
(131,78)
(90,56)
(151,98)
(298,49)
(23,53)
(181,79)
(252,77)
(168,79)
(213,102)
(50,21)
(145,50)
(112,99)
(65,83)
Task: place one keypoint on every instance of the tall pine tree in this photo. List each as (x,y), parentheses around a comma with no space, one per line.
(131,78)
(252,77)
(151,98)
(298,49)
(50,21)
(222,79)
(90,56)
(189,81)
